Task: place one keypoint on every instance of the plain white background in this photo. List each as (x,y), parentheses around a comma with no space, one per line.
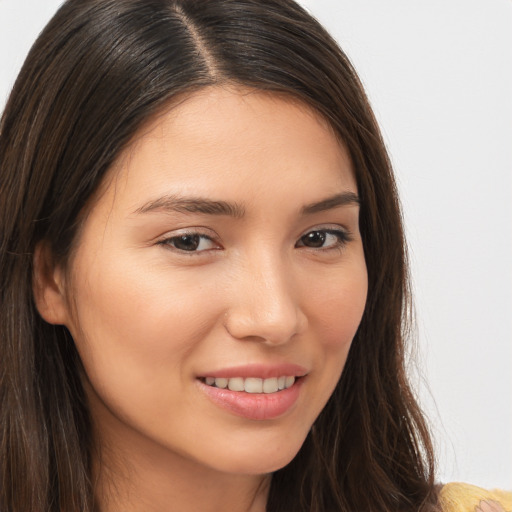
(439,76)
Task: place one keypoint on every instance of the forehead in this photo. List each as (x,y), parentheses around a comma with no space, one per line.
(234,142)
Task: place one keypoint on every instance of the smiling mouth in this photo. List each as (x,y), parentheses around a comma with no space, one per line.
(252,384)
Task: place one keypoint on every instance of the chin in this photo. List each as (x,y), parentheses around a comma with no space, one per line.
(263,459)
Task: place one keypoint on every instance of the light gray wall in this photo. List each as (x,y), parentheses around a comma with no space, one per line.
(439,75)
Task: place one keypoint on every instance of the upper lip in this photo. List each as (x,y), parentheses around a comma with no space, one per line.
(262,371)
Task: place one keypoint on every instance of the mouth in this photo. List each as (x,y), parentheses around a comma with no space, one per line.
(252,385)
(253,398)
(255,391)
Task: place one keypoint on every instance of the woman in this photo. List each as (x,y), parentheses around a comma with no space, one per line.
(204,294)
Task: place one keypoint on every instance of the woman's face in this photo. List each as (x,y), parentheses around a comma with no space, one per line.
(223,251)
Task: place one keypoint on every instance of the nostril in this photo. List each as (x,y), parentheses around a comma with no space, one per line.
(272,329)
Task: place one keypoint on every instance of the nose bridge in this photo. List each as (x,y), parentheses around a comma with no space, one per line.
(265,304)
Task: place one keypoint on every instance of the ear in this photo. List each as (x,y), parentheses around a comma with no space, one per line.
(49,287)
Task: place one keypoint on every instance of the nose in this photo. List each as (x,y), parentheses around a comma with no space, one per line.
(265,303)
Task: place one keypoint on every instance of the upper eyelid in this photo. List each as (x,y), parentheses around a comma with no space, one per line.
(327,227)
(206,232)
(333,231)
(203,231)
(200,231)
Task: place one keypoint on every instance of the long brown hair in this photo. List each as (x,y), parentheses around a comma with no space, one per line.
(99,70)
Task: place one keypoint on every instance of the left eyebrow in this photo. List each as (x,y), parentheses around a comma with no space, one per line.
(343,199)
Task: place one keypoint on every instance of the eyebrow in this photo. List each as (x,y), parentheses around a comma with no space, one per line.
(180,204)
(336,201)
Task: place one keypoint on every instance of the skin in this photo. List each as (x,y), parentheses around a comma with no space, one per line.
(149,318)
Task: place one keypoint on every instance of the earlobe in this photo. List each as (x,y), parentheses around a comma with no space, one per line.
(48,286)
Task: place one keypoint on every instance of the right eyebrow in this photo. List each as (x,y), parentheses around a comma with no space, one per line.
(180,204)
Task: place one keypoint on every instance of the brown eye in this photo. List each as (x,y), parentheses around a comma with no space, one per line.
(186,242)
(324,239)
(189,242)
(314,239)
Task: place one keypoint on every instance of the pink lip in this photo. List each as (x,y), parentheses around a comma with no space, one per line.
(257,406)
(261,371)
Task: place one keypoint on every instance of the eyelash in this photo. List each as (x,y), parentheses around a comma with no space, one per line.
(168,242)
(342,236)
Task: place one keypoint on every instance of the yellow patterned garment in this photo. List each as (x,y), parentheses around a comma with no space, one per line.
(457,497)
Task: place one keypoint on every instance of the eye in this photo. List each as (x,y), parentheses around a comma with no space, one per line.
(190,242)
(324,239)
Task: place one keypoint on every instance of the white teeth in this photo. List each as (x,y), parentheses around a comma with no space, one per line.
(236,384)
(252,384)
(270,385)
(221,382)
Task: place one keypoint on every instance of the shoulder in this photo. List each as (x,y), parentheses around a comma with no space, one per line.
(459,497)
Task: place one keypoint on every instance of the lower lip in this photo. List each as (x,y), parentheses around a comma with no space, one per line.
(254,406)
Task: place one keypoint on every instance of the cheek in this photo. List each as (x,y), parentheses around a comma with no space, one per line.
(140,319)
(337,306)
